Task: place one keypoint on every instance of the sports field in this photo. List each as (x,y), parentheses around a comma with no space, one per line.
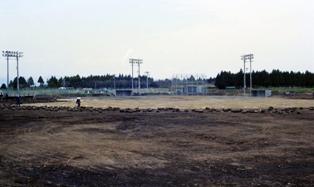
(185,102)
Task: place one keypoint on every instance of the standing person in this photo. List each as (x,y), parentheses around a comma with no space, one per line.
(78,102)
(18,101)
(6,97)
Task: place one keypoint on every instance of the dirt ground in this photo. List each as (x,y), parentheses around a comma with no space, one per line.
(187,102)
(42,146)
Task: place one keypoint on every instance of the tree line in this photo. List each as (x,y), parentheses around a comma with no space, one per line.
(100,81)
(276,78)
(96,82)
(23,83)
(224,79)
(109,81)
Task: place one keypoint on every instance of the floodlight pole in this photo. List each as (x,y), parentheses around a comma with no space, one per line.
(17,55)
(8,78)
(132,63)
(244,58)
(18,76)
(251,75)
(132,75)
(114,82)
(139,77)
(175,84)
(139,62)
(244,76)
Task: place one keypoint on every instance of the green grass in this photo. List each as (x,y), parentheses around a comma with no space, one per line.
(43,91)
(279,90)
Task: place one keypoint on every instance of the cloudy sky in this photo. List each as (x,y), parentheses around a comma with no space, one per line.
(69,37)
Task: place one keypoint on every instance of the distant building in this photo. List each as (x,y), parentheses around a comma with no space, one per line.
(194,87)
(261,93)
(230,88)
(123,92)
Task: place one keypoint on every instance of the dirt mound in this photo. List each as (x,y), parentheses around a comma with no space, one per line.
(64,146)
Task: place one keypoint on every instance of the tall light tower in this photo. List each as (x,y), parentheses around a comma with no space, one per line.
(132,61)
(139,62)
(17,55)
(249,57)
(147,75)
(251,81)
(244,74)
(8,74)
(114,82)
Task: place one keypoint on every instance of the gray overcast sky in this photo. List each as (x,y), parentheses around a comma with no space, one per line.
(69,37)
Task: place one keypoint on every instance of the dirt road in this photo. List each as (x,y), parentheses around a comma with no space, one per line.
(58,147)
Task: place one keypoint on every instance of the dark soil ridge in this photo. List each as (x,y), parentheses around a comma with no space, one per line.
(150,110)
(191,174)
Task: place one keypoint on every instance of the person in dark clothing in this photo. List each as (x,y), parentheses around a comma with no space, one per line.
(78,102)
(18,101)
(6,96)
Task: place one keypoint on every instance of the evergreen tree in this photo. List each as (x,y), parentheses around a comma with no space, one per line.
(53,82)
(30,82)
(41,81)
(22,83)
(276,78)
(3,86)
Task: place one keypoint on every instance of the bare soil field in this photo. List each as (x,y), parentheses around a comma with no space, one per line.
(62,146)
(185,102)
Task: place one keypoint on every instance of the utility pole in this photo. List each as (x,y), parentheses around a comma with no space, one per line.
(17,55)
(147,74)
